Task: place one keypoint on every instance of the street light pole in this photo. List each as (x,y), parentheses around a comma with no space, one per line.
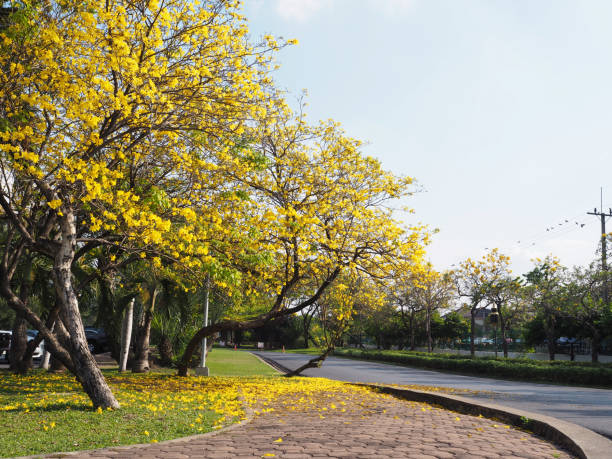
(202,369)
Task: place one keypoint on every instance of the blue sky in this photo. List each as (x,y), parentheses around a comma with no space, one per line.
(502,110)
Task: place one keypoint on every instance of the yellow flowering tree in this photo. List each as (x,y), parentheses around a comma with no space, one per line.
(474,279)
(318,208)
(113,117)
(547,292)
(427,290)
(351,294)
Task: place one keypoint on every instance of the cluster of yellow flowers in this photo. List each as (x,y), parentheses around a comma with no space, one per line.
(228,397)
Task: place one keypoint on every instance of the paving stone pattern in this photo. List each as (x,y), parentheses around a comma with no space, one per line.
(331,425)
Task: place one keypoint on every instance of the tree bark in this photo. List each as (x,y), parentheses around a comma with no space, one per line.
(595,343)
(85,366)
(428,329)
(19,362)
(141,348)
(551,346)
(126,335)
(550,336)
(58,366)
(19,344)
(412,331)
(307,319)
(472,332)
(502,327)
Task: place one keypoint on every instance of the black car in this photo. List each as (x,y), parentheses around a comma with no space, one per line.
(5,344)
(97,339)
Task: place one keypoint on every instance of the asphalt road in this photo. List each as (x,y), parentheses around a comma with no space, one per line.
(591,408)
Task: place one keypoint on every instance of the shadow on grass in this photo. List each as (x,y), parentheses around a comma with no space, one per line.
(52,407)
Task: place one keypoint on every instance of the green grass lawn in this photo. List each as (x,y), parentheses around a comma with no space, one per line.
(45,413)
(228,362)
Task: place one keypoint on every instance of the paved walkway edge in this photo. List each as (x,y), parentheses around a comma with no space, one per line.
(579,440)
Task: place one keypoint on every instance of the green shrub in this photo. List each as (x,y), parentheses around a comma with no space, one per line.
(582,373)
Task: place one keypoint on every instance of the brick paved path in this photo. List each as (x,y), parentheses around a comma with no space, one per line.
(333,425)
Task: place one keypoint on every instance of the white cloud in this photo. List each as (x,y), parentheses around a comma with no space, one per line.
(300,10)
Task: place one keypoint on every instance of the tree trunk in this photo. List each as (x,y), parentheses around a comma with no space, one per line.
(312,363)
(86,368)
(595,343)
(412,331)
(502,326)
(62,336)
(472,332)
(19,362)
(166,352)
(428,329)
(126,335)
(306,330)
(141,348)
(44,363)
(550,336)
(551,346)
(19,344)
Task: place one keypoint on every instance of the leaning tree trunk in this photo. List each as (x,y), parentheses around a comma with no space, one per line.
(61,333)
(86,368)
(141,347)
(126,335)
(312,363)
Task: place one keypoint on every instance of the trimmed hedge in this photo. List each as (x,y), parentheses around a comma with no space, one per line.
(582,373)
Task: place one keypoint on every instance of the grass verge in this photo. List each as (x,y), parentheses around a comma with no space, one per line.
(228,362)
(45,413)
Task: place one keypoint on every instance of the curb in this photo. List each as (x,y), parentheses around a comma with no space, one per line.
(272,363)
(578,440)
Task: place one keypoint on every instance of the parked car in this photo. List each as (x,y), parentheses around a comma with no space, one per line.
(6,339)
(97,339)
(5,344)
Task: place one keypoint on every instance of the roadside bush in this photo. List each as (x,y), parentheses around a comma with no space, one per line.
(582,373)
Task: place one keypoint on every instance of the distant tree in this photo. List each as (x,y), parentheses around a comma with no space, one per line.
(505,293)
(546,292)
(473,279)
(454,326)
(431,291)
(587,304)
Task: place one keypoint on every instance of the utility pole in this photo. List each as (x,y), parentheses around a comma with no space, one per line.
(202,369)
(604,255)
